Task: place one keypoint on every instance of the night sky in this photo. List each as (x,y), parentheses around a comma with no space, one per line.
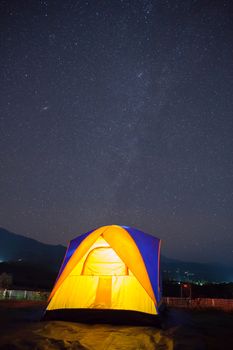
(119,112)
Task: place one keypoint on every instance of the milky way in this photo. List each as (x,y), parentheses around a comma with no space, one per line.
(119,112)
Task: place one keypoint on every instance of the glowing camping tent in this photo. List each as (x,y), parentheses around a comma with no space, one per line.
(110,268)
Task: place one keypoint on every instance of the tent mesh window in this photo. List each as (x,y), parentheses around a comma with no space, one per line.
(103,261)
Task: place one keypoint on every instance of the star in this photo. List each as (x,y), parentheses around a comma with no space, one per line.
(119,111)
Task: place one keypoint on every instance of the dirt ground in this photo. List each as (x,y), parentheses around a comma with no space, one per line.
(21,328)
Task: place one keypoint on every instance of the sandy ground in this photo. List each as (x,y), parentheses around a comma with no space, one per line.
(21,328)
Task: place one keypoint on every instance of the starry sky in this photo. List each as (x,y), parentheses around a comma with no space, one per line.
(119,112)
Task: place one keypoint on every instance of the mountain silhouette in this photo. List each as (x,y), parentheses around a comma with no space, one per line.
(18,248)
(14,247)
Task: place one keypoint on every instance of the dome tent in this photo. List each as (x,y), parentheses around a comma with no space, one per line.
(107,272)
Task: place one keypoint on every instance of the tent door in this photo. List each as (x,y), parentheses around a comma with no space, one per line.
(104,292)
